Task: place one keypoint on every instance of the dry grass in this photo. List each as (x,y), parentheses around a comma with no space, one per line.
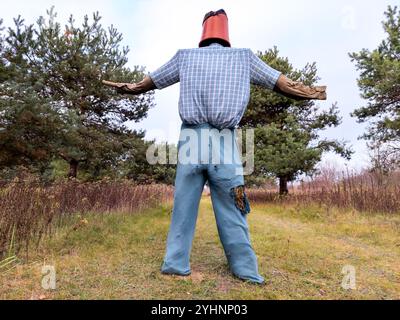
(367,192)
(301,252)
(29,211)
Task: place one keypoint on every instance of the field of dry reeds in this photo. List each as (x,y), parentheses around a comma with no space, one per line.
(29,210)
(365,192)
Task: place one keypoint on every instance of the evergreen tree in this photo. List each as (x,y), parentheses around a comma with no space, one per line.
(64,68)
(379,83)
(27,123)
(287,131)
(142,171)
(3,71)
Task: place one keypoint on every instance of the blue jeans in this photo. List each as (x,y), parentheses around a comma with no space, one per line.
(230,204)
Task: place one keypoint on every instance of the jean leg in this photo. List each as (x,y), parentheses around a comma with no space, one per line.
(189,184)
(231,222)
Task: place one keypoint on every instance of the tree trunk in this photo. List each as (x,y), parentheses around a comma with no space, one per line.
(283,186)
(73,169)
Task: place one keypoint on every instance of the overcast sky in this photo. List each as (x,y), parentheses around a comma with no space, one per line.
(303,30)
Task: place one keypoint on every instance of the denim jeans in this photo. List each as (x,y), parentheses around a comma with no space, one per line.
(230,204)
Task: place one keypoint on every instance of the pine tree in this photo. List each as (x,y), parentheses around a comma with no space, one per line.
(64,68)
(287,132)
(27,123)
(3,71)
(379,83)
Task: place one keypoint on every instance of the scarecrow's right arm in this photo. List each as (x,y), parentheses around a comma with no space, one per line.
(133,88)
(297,90)
(163,77)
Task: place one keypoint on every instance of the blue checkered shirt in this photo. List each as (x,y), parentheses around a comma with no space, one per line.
(214,83)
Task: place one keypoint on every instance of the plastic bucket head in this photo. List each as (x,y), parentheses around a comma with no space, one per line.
(215,29)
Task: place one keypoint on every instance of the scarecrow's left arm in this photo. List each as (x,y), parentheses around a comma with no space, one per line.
(262,74)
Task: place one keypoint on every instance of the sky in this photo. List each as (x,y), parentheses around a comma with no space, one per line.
(303,30)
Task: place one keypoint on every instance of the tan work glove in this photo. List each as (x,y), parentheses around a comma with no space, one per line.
(297,90)
(120,86)
(132,88)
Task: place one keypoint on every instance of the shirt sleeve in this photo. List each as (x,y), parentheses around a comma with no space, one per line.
(262,74)
(168,74)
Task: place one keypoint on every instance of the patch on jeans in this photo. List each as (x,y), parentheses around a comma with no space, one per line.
(241,201)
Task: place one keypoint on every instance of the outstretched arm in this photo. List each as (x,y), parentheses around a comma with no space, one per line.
(163,77)
(263,75)
(133,88)
(299,91)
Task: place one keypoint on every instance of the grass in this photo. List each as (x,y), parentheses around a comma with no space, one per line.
(301,252)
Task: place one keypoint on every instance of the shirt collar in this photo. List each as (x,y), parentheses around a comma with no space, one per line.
(214,44)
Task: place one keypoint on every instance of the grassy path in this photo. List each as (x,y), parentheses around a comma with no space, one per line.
(301,253)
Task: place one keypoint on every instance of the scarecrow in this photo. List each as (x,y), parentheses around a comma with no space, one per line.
(214,93)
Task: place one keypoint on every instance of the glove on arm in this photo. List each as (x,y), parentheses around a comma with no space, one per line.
(299,91)
(132,88)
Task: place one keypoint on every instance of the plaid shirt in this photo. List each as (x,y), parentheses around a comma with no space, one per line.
(214,83)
